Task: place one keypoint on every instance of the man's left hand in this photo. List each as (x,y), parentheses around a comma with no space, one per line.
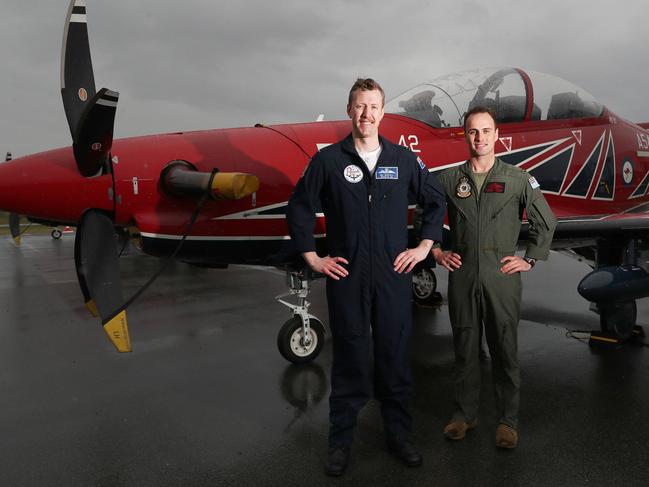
(408,259)
(514,264)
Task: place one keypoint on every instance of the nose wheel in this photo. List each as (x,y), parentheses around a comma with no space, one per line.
(301,338)
(424,287)
(298,344)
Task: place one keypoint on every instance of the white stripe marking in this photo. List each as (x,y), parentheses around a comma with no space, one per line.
(106,103)
(220,239)
(78,18)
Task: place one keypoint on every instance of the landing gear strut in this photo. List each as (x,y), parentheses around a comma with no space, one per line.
(301,338)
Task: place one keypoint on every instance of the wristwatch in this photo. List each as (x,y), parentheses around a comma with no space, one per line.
(530,261)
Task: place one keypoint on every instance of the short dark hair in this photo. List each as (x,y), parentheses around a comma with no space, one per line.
(366,84)
(480,109)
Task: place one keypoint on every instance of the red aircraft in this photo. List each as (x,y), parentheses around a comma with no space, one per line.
(218,197)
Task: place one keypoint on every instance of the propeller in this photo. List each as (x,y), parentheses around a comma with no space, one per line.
(91,116)
(14,227)
(96,255)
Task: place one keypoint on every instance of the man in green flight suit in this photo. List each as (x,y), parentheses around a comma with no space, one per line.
(486,199)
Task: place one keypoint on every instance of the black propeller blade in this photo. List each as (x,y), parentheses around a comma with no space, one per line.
(14,227)
(96,256)
(14,218)
(77,78)
(94,137)
(90,114)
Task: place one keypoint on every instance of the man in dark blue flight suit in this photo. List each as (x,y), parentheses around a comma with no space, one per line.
(364,183)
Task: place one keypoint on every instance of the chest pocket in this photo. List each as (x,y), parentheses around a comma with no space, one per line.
(389,179)
(499,203)
(345,181)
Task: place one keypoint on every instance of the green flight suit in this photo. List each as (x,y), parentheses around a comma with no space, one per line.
(484,228)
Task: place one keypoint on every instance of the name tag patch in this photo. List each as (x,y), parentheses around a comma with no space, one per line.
(387,173)
(495,187)
(353,173)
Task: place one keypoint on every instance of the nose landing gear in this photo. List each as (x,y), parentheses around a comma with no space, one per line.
(301,338)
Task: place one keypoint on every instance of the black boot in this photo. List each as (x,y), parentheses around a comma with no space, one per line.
(337,461)
(405,451)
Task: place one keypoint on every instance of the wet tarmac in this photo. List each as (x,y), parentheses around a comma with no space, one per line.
(205,399)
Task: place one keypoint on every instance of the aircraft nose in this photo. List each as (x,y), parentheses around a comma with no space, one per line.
(48,186)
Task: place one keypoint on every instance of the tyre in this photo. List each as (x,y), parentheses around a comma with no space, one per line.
(293,346)
(424,287)
(56,234)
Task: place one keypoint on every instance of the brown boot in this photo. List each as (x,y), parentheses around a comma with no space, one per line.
(456,429)
(506,437)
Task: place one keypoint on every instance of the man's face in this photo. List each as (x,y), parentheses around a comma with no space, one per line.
(366,112)
(481,135)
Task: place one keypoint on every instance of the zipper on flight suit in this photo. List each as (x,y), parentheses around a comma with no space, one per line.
(478,202)
(370,226)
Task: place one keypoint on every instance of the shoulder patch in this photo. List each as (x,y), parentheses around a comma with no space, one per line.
(533,183)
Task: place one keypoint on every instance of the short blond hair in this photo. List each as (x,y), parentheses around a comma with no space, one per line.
(366,84)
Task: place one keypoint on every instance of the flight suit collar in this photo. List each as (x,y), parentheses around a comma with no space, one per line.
(386,151)
(495,169)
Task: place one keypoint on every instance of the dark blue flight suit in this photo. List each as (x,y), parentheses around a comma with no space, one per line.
(367,224)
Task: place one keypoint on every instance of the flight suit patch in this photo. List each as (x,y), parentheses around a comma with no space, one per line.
(533,183)
(495,187)
(463,189)
(387,173)
(353,174)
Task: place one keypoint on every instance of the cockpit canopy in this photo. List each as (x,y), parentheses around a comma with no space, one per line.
(444,101)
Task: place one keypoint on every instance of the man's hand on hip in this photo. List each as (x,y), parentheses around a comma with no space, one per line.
(329,266)
(408,259)
(514,264)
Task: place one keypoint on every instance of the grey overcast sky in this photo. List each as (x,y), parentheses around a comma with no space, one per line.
(198,64)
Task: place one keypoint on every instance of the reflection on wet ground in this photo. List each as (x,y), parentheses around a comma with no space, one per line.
(206,399)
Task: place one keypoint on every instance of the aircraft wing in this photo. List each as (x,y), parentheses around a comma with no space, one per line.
(608,226)
(581,231)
